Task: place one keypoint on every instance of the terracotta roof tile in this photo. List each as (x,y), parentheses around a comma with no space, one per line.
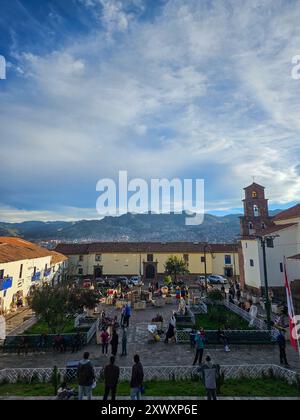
(291,213)
(276,228)
(143,247)
(17,249)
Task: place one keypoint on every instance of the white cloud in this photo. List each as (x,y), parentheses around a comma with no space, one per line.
(201,87)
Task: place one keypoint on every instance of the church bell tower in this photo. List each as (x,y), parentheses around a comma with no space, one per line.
(256,211)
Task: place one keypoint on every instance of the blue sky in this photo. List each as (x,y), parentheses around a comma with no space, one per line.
(164,88)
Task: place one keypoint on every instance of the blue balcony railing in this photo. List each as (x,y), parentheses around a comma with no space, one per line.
(6,283)
(36,277)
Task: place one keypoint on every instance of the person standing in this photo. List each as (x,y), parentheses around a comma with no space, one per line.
(171,329)
(86,378)
(200,345)
(137,379)
(111,379)
(104,340)
(124,342)
(114,343)
(281,341)
(209,377)
(127,315)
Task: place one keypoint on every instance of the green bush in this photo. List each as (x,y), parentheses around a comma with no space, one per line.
(215,296)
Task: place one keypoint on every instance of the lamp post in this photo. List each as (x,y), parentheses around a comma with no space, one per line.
(263,241)
(206,247)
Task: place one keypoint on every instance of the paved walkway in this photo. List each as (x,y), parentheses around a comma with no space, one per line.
(154,354)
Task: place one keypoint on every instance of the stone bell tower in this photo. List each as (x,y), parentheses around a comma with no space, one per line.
(256,211)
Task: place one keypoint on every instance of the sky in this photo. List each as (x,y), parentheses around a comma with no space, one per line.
(163,89)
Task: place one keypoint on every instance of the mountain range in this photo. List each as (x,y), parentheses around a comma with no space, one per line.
(131,228)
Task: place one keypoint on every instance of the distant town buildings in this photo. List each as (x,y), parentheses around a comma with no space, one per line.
(24,265)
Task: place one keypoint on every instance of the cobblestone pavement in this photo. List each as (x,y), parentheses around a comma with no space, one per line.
(154,354)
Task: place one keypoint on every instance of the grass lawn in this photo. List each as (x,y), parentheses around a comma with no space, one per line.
(219,317)
(231,388)
(40,328)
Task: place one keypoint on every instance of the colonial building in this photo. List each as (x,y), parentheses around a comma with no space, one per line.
(282,238)
(98,260)
(24,265)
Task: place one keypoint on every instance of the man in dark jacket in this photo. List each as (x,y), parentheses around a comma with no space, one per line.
(86,378)
(137,379)
(111,379)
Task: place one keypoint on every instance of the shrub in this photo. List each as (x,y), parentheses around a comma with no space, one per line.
(215,296)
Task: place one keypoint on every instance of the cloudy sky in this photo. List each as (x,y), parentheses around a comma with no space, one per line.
(164,88)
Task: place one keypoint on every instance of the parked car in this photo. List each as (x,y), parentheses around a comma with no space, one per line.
(135,281)
(215,279)
(123,280)
(201,281)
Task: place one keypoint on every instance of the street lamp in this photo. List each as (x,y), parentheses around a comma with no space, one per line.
(206,247)
(264,240)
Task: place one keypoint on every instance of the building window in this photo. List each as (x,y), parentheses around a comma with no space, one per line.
(281,268)
(150,258)
(98,258)
(251,263)
(228,260)
(186,258)
(80,271)
(263,226)
(80,258)
(270,243)
(1,274)
(203,260)
(21,271)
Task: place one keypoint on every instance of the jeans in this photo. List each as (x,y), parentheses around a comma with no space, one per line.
(124,349)
(126,320)
(85,391)
(135,394)
(105,348)
(107,391)
(211,394)
(283,358)
(199,355)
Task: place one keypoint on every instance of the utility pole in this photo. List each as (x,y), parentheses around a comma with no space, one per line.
(268,302)
(205,249)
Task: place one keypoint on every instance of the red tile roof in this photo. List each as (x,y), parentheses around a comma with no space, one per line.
(291,213)
(57,257)
(17,249)
(276,228)
(143,247)
(294,257)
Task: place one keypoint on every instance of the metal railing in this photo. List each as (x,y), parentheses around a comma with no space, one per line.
(236,337)
(258,323)
(152,373)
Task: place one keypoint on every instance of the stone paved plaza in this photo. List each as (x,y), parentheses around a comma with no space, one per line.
(153,354)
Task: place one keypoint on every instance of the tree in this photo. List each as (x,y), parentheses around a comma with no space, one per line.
(176,266)
(56,306)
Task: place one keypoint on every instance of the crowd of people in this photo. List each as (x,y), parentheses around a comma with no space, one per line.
(87,380)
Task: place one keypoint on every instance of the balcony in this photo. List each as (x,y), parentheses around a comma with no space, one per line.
(36,277)
(6,283)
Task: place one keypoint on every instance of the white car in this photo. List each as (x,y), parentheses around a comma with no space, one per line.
(201,280)
(215,279)
(135,281)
